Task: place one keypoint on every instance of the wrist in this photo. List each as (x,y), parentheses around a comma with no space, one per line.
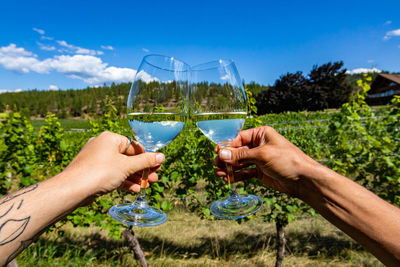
(313,178)
(75,185)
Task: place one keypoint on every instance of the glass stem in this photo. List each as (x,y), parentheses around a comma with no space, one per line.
(233,195)
(143,185)
(231,178)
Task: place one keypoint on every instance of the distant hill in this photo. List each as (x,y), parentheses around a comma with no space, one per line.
(66,103)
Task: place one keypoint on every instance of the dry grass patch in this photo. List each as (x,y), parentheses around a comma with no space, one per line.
(186,240)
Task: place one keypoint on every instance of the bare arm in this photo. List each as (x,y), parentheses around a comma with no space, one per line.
(100,167)
(365,217)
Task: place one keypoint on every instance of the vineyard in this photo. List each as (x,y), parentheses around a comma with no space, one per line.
(358,141)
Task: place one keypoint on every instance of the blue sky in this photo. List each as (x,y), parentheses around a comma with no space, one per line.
(75,44)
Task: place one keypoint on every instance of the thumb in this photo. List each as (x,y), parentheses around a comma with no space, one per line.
(238,155)
(144,161)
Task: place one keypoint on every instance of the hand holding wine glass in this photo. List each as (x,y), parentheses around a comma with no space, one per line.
(219,109)
(157,107)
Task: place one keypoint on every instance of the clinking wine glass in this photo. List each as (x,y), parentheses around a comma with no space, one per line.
(156,111)
(218,106)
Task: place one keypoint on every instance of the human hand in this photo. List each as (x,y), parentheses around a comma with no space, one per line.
(106,162)
(278,163)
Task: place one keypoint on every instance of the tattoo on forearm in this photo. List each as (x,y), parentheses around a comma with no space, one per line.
(1,216)
(15,228)
(20,204)
(24,244)
(12,225)
(18,193)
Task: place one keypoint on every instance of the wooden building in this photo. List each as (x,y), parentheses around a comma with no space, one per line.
(383,88)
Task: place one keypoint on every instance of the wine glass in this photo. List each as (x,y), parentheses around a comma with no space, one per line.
(219,109)
(156,111)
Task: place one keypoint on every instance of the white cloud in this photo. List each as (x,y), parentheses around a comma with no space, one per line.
(370,61)
(144,76)
(40,31)
(53,87)
(225,77)
(46,38)
(18,59)
(78,50)
(10,91)
(390,34)
(46,47)
(65,44)
(13,50)
(388,22)
(363,70)
(107,47)
(146,50)
(90,69)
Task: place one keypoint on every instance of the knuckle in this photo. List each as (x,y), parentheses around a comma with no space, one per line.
(106,133)
(241,154)
(268,129)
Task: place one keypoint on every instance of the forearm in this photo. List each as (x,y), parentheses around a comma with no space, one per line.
(26,213)
(365,217)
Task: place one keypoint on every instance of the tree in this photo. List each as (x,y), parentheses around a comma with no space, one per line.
(325,87)
(285,95)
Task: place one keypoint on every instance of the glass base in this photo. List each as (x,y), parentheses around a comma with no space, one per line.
(236,206)
(138,213)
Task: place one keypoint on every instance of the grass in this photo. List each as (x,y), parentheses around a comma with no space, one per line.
(186,240)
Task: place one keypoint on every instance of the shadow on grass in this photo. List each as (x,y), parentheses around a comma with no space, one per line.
(96,246)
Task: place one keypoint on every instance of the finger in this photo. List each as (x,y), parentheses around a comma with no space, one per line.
(135,178)
(254,137)
(222,164)
(153,177)
(142,161)
(243,138)
(219,163)
(217,148)
(130,186)
(155,169)
(129,147)
(242,155)
(245,174)
(221,172)
(134,149)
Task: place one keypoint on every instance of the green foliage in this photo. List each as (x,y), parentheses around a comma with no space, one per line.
(51,148)
(366,147)
(108,122)
(17,155)
(357,141)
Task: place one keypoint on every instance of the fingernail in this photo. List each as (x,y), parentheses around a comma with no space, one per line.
(225,154)
(160,158)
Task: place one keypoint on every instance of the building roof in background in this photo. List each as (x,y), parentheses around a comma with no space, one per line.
(383,82)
